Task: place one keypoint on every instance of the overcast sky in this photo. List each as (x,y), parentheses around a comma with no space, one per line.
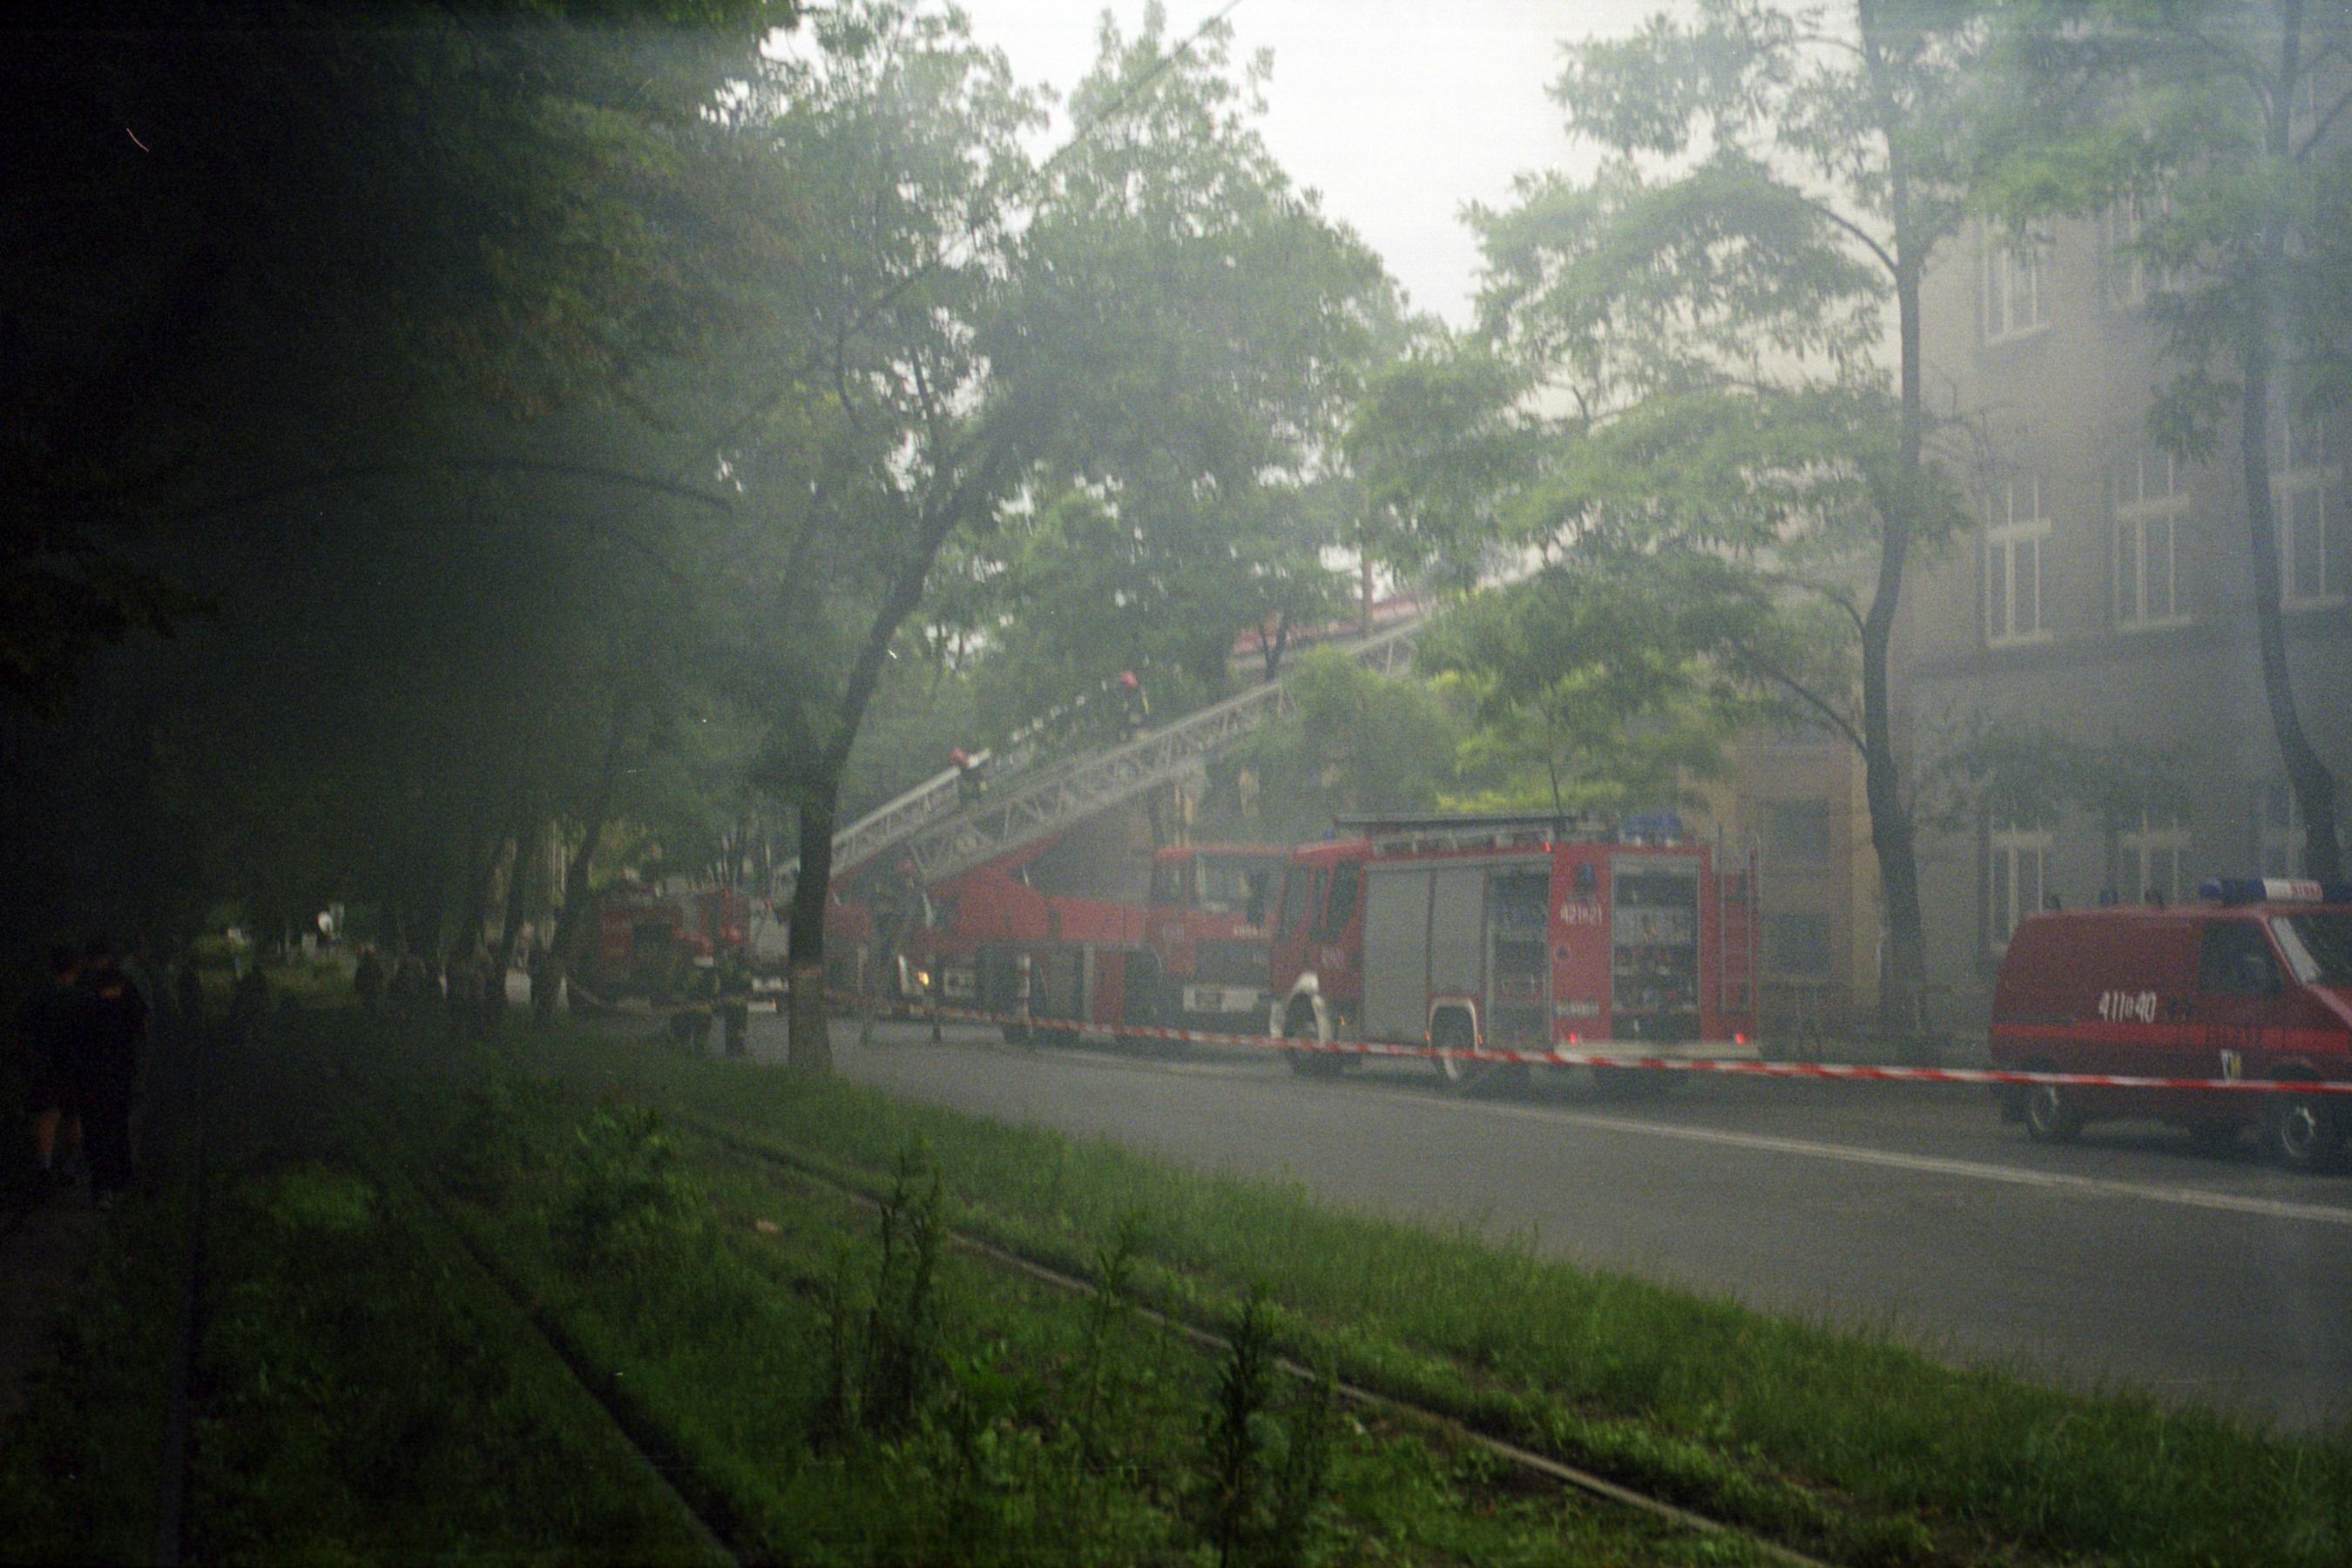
(1398,110)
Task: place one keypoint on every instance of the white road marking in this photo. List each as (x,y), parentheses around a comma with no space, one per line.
(2185,1197)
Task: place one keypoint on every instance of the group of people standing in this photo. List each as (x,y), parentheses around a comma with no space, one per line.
(83,1034)
(471,988)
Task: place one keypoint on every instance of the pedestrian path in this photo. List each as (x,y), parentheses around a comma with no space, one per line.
(44,1252)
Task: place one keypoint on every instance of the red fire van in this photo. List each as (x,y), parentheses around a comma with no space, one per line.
(2254,982)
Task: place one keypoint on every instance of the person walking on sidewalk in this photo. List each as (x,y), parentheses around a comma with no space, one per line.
(190,991)
(109,1029)
(45,1035)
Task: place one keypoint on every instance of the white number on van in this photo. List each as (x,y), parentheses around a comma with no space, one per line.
(2123,1006)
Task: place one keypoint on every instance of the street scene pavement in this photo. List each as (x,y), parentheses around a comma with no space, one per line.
(1909,1211)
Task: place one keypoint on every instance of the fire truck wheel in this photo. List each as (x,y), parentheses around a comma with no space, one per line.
(1452,1032)
(1298,1024)
(2051,1114)
(2304,1134)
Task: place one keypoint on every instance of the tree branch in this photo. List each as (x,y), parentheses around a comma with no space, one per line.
(1803,693)
(1885,256)
(2319,132)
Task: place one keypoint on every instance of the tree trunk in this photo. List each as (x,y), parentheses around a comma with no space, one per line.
(569,921)
(527,834)
(2306,775)
(809,1040)
(808,1047)
(1903,991)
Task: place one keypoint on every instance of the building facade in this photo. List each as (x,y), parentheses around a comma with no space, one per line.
(2104,593)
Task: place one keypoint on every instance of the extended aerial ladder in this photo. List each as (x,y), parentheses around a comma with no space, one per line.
(943,833)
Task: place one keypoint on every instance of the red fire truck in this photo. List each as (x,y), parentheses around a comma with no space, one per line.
(1206,928)
(1523,934)
(647,936)
(1194,956)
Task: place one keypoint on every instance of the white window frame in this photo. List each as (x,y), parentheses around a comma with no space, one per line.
(2154,850)
(2125,282)
(2014,532)
(2303,475)
(2278,817)
(2149,496)
(2014,276)
(2012,848)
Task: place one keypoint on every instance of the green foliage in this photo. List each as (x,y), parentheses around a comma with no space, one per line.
(1205,327)
(1266,1461)
(1979,766)
(1588,691)
(1354,742)
(887,1365)
(2211,139)
(631,1201)
(1679,379)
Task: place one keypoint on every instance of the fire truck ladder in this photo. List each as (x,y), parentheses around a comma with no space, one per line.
(935,827)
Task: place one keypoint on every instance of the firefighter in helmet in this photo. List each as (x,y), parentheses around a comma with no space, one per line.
(969,786)
(1135,708)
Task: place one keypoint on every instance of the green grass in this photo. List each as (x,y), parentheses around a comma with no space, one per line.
(362,1392)
(720,1291)
(1838,1442)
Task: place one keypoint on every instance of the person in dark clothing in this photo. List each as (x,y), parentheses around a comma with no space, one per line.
(189,991)
(248,1005)
(110,1030)
(735,1001)
(1135,708)
(408,987)
(45,1034)
(367,981)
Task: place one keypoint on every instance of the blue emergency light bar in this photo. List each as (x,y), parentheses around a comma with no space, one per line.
(2272,890)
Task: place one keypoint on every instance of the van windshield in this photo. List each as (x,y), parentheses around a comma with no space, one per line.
(2318,947)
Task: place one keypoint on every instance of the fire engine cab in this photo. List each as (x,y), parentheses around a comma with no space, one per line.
(2254,981)
(1522,933)
(1206,928)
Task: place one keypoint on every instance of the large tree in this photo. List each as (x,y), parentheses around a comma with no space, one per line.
(2215,136)
(1208,326)
(905,421)
(368,340)
(1700,371)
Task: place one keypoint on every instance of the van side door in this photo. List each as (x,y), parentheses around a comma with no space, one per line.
(2239,984)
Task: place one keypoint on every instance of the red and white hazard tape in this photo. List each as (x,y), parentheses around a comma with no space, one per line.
(1738,1068)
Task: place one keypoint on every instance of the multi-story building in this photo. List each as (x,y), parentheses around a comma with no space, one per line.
(2105,593)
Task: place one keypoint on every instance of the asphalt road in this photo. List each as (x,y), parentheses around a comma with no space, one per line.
(2127,1259)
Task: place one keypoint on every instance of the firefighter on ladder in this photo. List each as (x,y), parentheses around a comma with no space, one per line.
(1135,713)
(969,786)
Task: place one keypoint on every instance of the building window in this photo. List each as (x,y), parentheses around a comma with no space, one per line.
(1799,947)
(2148,857)
(2013,304)
(2147,493)
(2015,531)
(2284,838)
(2308,510)
(1796,834)
(2126,275)
(2017,872)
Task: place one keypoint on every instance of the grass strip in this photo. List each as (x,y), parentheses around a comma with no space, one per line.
(363,1393)
(759,1321)
(1838,1442)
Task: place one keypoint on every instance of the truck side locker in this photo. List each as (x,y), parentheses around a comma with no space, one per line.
(1519,962)
(1396,951)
